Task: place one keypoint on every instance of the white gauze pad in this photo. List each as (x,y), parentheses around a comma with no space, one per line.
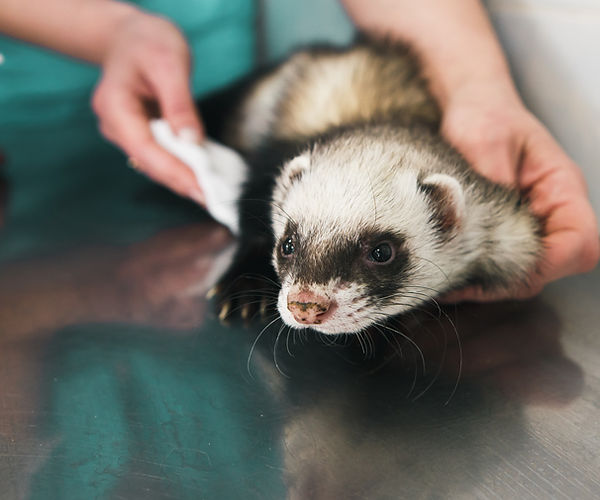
(220,171)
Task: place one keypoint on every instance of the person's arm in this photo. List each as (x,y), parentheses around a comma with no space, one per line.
(79,28)
(143,58)
(485,119)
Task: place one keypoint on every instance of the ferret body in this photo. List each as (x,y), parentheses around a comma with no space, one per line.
(355,201)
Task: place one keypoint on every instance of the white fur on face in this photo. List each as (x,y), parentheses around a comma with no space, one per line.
(333,198)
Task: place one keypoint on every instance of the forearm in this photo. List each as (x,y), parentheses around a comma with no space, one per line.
(79,28)
(453,38)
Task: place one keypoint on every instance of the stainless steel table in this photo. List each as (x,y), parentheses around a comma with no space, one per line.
(117,381)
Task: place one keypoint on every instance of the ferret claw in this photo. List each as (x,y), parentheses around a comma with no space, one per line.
(224,311)
(245,313)
(212,292)
(263,308)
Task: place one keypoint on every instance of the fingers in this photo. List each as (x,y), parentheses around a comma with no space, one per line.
(486,138)
(558,193)
(124,122)
(494,155)
(174,95)
(569,252)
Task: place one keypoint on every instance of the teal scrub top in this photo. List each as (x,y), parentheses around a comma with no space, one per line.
(41,87)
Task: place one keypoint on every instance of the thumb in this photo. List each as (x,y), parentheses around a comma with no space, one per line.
(496,161)
(493,150)
(177,104)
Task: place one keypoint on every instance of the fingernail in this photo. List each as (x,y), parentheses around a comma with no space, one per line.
(189,134)
(133,163)
(198,197)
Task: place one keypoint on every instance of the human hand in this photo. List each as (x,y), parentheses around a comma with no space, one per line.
(148,60)
(506,143)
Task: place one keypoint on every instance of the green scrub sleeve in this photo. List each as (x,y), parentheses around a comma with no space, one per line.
(39,87)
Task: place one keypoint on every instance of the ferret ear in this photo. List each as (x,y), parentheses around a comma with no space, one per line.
(447,198)
(294,169)
(291,173)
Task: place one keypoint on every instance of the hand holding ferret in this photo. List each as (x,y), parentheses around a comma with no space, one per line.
(484,118)
(506,143)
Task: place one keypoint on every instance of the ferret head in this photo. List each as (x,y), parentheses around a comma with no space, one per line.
(361,231)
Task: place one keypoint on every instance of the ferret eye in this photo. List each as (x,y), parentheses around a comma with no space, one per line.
(287,247)
(382,253)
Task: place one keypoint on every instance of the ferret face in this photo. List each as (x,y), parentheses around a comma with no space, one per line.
(357,238)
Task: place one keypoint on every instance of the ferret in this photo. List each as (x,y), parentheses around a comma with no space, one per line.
(356,209)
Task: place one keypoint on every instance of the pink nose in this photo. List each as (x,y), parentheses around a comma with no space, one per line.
(309,308)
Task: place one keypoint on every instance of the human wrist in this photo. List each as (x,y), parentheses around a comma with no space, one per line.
(454,41)
(107,18)
(79,28)
(477,90)
(467,80)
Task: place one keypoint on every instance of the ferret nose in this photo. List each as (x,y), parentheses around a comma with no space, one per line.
(309,308)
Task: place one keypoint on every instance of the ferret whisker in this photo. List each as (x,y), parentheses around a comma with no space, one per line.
(261,277)
(437,266)
(406,337)
(290,218)
(287,342)
(443,360)
(256,218)
(430,297)
(460,357)
(371,343)
(393,343)
(423,327)
(275,345)
(258,294)
(415,370)
(254,345)
(243,276)
(328,340)
(254,293)
(434,290)
(368,344)
(416,307)
(363,343)
(360,341)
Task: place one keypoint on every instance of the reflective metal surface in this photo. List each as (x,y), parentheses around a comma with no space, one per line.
(117,381)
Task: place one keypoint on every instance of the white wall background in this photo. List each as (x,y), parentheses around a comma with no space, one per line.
(553,47)
(554,50)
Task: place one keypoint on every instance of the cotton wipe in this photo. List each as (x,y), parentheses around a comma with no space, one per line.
(220,171)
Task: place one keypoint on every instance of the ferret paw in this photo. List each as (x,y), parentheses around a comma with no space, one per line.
(244,296)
